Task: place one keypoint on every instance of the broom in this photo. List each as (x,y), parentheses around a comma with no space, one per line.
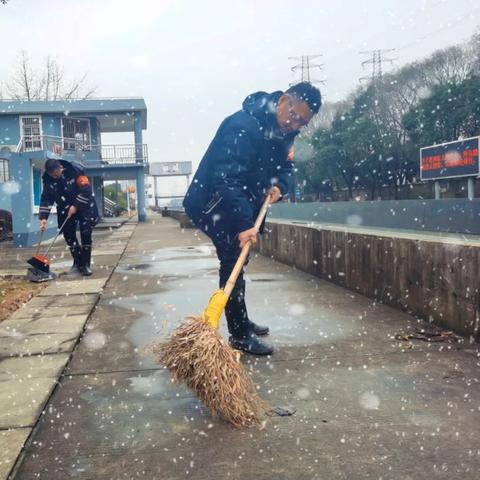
(41,262)
(198,356)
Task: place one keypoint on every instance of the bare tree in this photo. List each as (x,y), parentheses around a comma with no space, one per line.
(450,65)
(23,82)
(474,51)
(324,118)
(46,83)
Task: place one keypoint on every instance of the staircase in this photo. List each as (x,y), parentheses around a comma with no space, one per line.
(110,208)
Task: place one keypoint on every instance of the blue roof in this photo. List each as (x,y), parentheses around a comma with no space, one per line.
(75,106)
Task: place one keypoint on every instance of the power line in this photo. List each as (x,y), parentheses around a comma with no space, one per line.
(376,60)
(305,66)
(448,26)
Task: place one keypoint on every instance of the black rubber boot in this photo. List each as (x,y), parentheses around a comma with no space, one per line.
(236,314)
(87,256)
(239,324)
(252,344)
(259,330)
(77,266)
(243,337)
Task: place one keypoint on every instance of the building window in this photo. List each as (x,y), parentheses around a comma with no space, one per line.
(76,133)
(4,176)
(31,133)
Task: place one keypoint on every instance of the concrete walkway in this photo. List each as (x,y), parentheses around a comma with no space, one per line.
(37,340)
(366,405)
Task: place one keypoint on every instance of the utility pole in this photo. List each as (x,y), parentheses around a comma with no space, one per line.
(376,60)
(305,66)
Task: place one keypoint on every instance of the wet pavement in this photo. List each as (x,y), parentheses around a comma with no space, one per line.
(365,404)
(37,340)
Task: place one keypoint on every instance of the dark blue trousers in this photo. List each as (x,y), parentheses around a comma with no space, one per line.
(70,230)
(218,228)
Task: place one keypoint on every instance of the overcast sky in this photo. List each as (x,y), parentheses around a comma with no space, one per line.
(195,61)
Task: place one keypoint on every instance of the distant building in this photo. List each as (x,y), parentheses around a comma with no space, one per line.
(32,131)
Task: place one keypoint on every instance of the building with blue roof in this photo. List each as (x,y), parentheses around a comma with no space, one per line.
(32,131)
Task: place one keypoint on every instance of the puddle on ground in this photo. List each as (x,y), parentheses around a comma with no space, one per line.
(293,309)
(158,384)
(426,419)
(295,314)
(204,250)
(173,268)
(139,266)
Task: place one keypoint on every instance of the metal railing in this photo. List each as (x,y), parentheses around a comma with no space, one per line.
(108,154)
(123,154)
(33,143)
(111,209)
(66,99)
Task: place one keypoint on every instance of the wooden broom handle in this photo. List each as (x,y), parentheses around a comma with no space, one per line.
(39,242)
(245,250)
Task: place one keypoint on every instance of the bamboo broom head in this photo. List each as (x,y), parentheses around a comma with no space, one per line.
(198,356)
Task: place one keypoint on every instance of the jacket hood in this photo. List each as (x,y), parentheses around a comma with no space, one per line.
(263,106)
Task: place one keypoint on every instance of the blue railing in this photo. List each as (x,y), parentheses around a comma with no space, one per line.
(109,154)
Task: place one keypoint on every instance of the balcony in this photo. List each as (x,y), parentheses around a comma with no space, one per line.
(77,149)
(123,154)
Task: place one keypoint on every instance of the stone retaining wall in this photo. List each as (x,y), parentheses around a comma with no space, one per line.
(436,280)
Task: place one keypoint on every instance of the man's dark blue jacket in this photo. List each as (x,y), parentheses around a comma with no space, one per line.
(72,188)
(245,159)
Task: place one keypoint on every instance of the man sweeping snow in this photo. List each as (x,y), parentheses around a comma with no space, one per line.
(250,157)
(66,185)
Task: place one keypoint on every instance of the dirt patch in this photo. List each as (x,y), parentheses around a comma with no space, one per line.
(14,292)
